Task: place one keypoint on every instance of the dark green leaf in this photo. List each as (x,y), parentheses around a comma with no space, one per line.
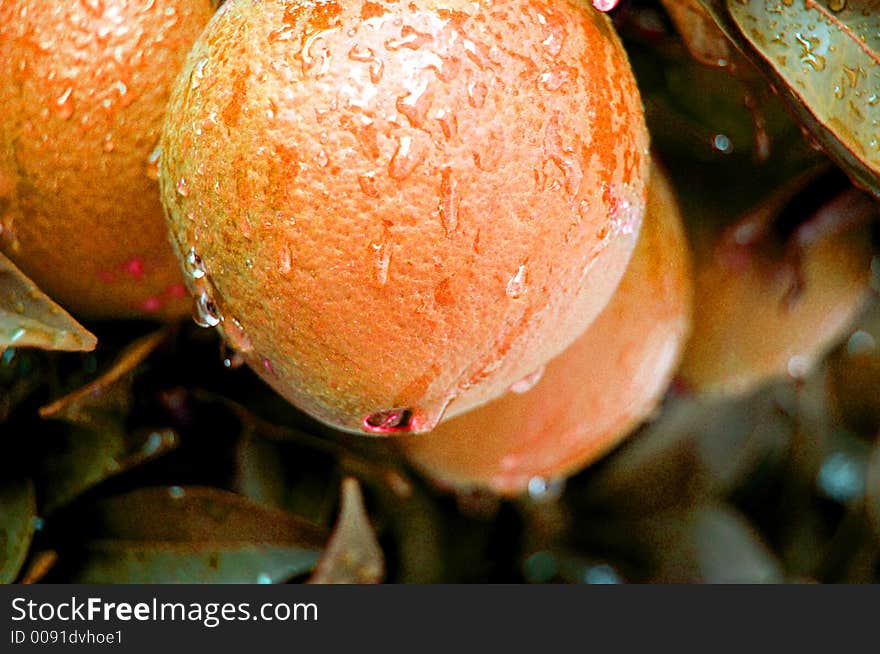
(17,513)
(28,318)
(196,535)
(99,445)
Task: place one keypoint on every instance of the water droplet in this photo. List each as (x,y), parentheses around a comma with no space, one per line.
(198,73)
(516,285)
(322,159)
(63,104)
(387,422)
(722,144)
(284,259)
(528,382)
(545,490)
(176,492)
(194,264)
(602,574)
(368,185)
(38,523)
(182,187)
(477,92)
(405,160)
(449,202)
(383,260)
(152,167)
(410,39)
(842,477)
(837,5)
(860,344)
(798,366)
(233,361)
(808,56)
(205,313)
(415,104)
(264,579)
(108,145)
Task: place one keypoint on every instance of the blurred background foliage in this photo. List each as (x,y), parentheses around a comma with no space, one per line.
(157,458)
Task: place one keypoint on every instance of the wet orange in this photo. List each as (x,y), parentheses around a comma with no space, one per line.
(593,394)
(397,210)
(83,89)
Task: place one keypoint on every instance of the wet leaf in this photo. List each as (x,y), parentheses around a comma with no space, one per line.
(826,62)
(17,513)
(29,318)
(196,535)
(713,544)
(353,555)
(99,445)
(109,392)
(82,458)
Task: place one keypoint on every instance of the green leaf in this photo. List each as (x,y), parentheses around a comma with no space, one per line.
(353,555)
(196,535)
(17,512)
(99,445)
(827,64)
(80,459)
(29,318)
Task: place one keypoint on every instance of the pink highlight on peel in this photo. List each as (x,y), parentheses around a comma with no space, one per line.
(268,366)
(604,5)
(152,304)
(134,267)
(106,276)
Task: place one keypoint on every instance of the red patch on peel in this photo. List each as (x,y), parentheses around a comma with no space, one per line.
(106,276)
(268,366)
(134,267)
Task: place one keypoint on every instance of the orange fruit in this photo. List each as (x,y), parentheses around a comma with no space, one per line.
(83,88)
(746,332)
(593,394)
(397,210)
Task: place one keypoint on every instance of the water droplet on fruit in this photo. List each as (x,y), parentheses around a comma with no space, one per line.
(449,202)
(152,167)
(798,367)
(383,260)
(368,185)
(284,259)
(322,159)
(194,264)
(388,422)
(205,313)
(182,187)
(108,145)
(528,382)
(415,104)
(63,104)
(405,160)
(516,285)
